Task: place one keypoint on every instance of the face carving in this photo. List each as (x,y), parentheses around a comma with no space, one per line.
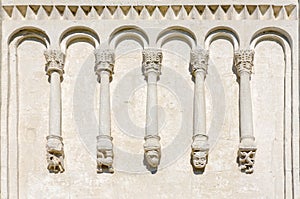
(152,158)
(199,159)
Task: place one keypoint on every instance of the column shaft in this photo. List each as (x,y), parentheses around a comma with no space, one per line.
(55,105)
(199,104)
(246,121)
(104,112)
(152,115)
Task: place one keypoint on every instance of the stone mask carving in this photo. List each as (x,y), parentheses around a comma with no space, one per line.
(152,157)
(199,159)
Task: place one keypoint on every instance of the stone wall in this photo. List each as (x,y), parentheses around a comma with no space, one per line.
(130,99)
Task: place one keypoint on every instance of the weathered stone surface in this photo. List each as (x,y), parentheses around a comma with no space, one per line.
(77,28)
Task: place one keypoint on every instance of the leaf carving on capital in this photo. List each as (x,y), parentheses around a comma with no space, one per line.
(152,59)
(244,61)
(55,61)
(199,60)
(104,61)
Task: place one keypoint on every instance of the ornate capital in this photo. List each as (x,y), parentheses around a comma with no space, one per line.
(244,61)
(199,60)
(55,154)
(55,61)
(104,61)
(152,59)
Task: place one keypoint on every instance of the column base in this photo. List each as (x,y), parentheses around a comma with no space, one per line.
(104,154)
(55,154)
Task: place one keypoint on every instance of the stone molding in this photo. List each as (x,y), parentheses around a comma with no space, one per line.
(172,12)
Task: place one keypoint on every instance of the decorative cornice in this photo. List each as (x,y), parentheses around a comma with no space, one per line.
(133,12)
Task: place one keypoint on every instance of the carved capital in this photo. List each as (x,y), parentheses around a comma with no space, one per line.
(244,61)
(55,154)
(55,61)
(152,59)
(104,153)
(104,61)
(152,150)
(199,154)
(199,60)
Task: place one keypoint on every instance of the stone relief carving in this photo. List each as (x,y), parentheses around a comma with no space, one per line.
(152,59)
(247,147)
(200,150)
(104,65)
(200,147)
(55,154)
(104,153)
(246,159)
(105,60)
(54,62)
(244,61)
(54,69)
(152,150)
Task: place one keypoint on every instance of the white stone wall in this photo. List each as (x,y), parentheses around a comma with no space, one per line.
(25,93)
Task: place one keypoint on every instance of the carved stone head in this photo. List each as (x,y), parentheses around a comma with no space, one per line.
(199,159)
(152,157)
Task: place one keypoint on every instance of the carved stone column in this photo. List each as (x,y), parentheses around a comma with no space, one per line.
(247,147)
(200,147)
(104,69)
(152,59)
(55,147)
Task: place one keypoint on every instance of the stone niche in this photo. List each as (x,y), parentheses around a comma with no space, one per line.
(133,93)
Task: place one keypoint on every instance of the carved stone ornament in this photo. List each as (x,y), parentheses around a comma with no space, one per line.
(55,61)
(244,61)
(246,154)
(152,59)
(104,153)
(55,154)
(199,60)
(200,150)
(152,150)
(104,61)
(246,159)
